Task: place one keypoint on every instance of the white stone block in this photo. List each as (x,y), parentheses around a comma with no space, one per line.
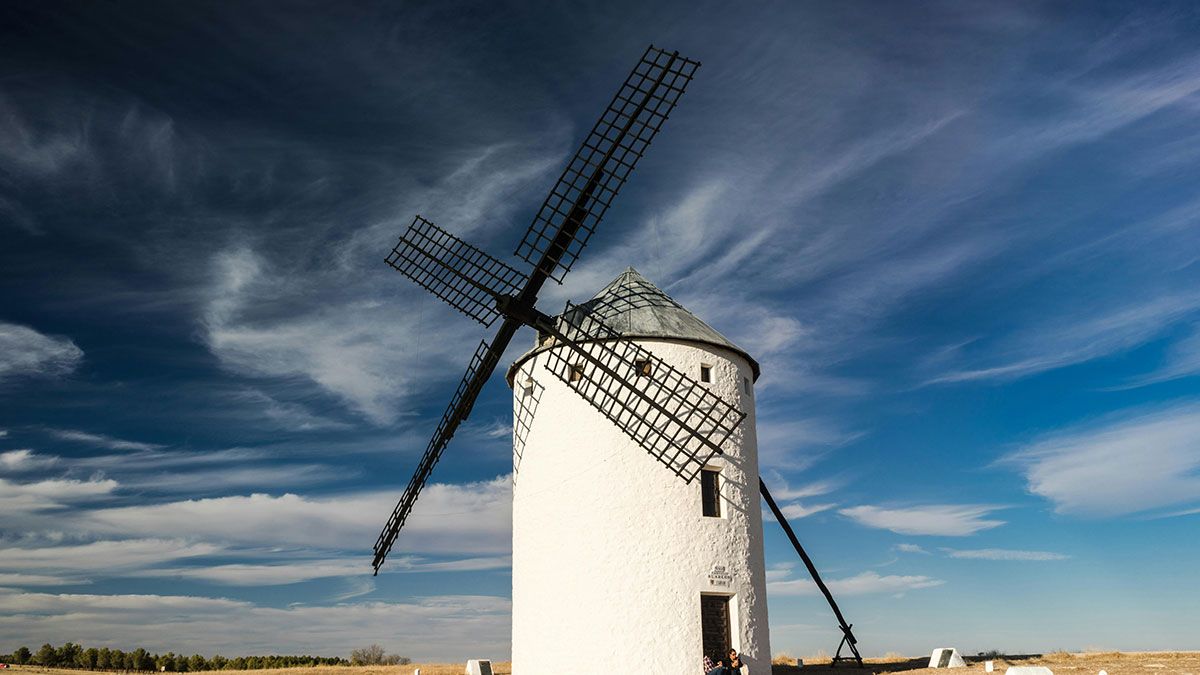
(946,657)
(1028,670)
(989,666)
(479,667)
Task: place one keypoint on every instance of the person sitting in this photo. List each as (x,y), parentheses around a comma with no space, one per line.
(732,664)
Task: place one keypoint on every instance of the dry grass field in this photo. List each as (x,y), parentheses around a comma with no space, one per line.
(498,668)
(1062,663)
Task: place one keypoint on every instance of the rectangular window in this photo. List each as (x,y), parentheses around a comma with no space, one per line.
(710,492)
(643,368)
(746,384)
(576,372)
(705,373)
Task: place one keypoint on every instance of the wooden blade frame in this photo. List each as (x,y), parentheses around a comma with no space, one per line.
(602,164)
(678,420)
(463,276)
(485,288)
(482,365)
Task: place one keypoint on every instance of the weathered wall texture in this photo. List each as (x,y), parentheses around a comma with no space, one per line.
(610,549)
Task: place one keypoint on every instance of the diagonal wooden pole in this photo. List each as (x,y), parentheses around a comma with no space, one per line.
(847,634)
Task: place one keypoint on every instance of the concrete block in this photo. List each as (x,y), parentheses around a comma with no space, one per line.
(479,667)
(946,657)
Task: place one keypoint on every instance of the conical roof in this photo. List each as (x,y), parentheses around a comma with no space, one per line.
(634,307)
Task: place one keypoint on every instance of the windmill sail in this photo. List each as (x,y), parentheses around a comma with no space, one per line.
(602,164)
(485,288)
(465,277)
(483,363)
(676,419)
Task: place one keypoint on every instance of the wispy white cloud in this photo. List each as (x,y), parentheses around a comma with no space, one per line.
(354,349)
(281,573)
(910,548)
(474,518)
(107,557)
(48,495)
(782,491)
(188,480)
(797,444)
(866,583)
(798,510)
(16,580)
(274,574)
(1102,106)
(28,152)
(946,520)
(26,352)
(159,460)
(25,460)
(1130,462)
(285,414)
(1004,554)
(1181,360)
(100,440)
(435,628)
(1077,339)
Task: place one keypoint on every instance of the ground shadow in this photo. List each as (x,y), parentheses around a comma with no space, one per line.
(888,666)
(899,665)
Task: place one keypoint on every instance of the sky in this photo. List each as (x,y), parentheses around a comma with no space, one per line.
(961,239)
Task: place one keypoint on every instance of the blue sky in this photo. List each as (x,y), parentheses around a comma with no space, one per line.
(961,238)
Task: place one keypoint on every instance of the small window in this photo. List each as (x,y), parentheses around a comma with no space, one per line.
(705,373)
(643,368)
(576,372)
(746,384)
(710,492)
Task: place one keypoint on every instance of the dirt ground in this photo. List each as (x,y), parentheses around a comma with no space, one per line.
(1061,663)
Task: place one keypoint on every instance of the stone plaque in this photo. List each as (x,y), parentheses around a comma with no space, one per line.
(720,577)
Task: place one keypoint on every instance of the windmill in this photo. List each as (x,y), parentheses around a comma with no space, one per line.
(680,422)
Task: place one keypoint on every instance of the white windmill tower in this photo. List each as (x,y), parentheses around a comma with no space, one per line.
(613,557)
(637,562)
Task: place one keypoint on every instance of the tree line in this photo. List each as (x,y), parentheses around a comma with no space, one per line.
(71,655)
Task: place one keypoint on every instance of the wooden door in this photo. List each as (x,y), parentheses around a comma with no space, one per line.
(714,625)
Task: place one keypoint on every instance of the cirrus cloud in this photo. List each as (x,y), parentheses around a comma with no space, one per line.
(946,520)
(26,352)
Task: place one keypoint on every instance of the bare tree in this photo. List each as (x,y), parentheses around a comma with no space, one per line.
(367,656)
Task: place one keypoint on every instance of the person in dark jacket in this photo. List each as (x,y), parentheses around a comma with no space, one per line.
(730,665)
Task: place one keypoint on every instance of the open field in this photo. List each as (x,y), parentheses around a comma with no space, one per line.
(1062,663)
(1115,663)
(498,668)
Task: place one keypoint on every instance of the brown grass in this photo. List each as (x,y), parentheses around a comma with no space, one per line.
(498,668)
(1062,663)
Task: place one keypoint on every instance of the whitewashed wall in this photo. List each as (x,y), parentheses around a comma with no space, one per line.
(610,549)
